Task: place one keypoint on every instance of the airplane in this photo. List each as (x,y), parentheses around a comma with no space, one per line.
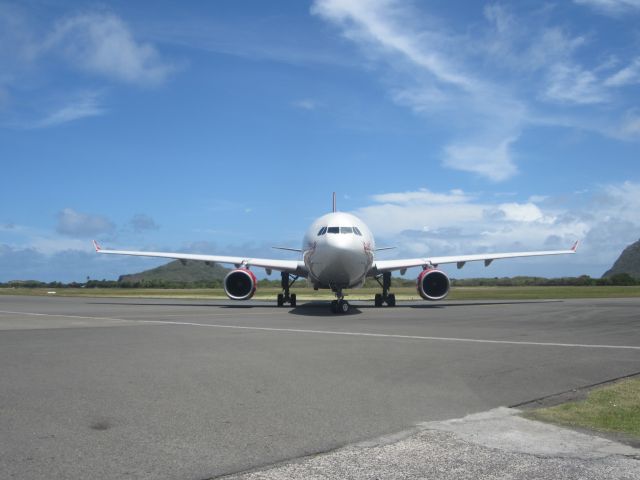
(338,253)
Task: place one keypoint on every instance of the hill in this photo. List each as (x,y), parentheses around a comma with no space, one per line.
(190,272)
(628,262)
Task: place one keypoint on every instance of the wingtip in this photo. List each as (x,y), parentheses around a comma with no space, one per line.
(575,246)
(97,246)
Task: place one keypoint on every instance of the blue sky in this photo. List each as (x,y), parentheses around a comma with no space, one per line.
(223,127)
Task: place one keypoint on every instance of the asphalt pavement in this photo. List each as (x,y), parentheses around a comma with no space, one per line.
(131,388)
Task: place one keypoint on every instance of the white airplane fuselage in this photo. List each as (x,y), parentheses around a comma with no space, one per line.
(338,251)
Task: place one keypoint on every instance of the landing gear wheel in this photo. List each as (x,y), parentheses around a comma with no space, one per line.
(391,300)
(334,306)
(343,306)
(286,281)
(378,300)
(385,296)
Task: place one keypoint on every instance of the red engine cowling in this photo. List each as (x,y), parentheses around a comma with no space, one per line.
(433,284)
(240,284)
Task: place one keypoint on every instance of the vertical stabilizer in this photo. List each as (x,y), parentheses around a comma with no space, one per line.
(334,202)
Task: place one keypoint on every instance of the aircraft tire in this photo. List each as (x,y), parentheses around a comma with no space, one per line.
(343,306)
(280,299)
(293,300)
(378,300)
(334,306)
(391,300)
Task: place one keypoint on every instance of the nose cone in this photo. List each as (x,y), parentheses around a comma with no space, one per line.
(339,243)
(344,260)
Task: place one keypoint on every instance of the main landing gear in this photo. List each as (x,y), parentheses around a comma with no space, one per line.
(340,305)
(287,281)
(385,297)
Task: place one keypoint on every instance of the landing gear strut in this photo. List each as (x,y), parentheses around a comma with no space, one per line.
(340,305)
(287,281)
(385,297)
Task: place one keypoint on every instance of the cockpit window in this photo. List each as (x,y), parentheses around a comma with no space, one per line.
(322,231)
(356,230)
(346,230)
(333,230)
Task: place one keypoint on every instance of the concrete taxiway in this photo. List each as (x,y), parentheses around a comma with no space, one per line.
(131,388)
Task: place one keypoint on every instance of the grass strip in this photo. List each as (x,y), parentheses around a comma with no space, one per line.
(402,293)
(614,408)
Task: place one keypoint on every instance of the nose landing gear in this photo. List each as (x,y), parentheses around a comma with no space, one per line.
(385,297)
(287,281)
(340,305)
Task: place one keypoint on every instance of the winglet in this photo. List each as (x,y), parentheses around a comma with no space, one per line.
(97,246)
(575,246)
(334,202)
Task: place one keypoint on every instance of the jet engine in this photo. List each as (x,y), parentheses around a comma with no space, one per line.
(433,284)
(240,284)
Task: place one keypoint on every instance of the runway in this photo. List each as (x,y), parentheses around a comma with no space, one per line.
(131,388)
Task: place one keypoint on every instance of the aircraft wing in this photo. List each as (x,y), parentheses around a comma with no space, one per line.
(460,260)
(293,266)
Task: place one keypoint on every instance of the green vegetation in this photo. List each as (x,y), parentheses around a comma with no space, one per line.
(615,408)
(178,274)
(269,292)
(628,262)
(212,279)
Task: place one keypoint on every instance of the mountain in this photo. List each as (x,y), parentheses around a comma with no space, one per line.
(190,272)
(628,262)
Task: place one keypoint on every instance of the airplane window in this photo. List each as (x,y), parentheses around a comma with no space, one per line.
(346,230)
(333,230)
(322,231)
(356,230)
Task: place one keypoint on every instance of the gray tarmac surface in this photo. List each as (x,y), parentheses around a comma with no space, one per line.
(130,388)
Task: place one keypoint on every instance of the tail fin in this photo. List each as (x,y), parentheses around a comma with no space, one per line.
(334,202)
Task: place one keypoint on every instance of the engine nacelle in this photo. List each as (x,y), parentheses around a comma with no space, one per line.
(240,284)
(433,284)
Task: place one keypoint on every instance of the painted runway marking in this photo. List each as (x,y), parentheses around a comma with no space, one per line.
(333,332)
(32,314)
(202,314)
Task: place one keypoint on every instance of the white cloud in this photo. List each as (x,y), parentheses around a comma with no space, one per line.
(141,222)
(488,85)
(523,47)
(422,196)
(630,126)
(77,224)
(493,161)
(87,104)
(383,25)
(572,84)
(43,241)
(34,92)
(305,104)
(101,43)
(51,245)
(605,220)
(522,212)
(620,201)
(393,32)
(611,7)
(629,75)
